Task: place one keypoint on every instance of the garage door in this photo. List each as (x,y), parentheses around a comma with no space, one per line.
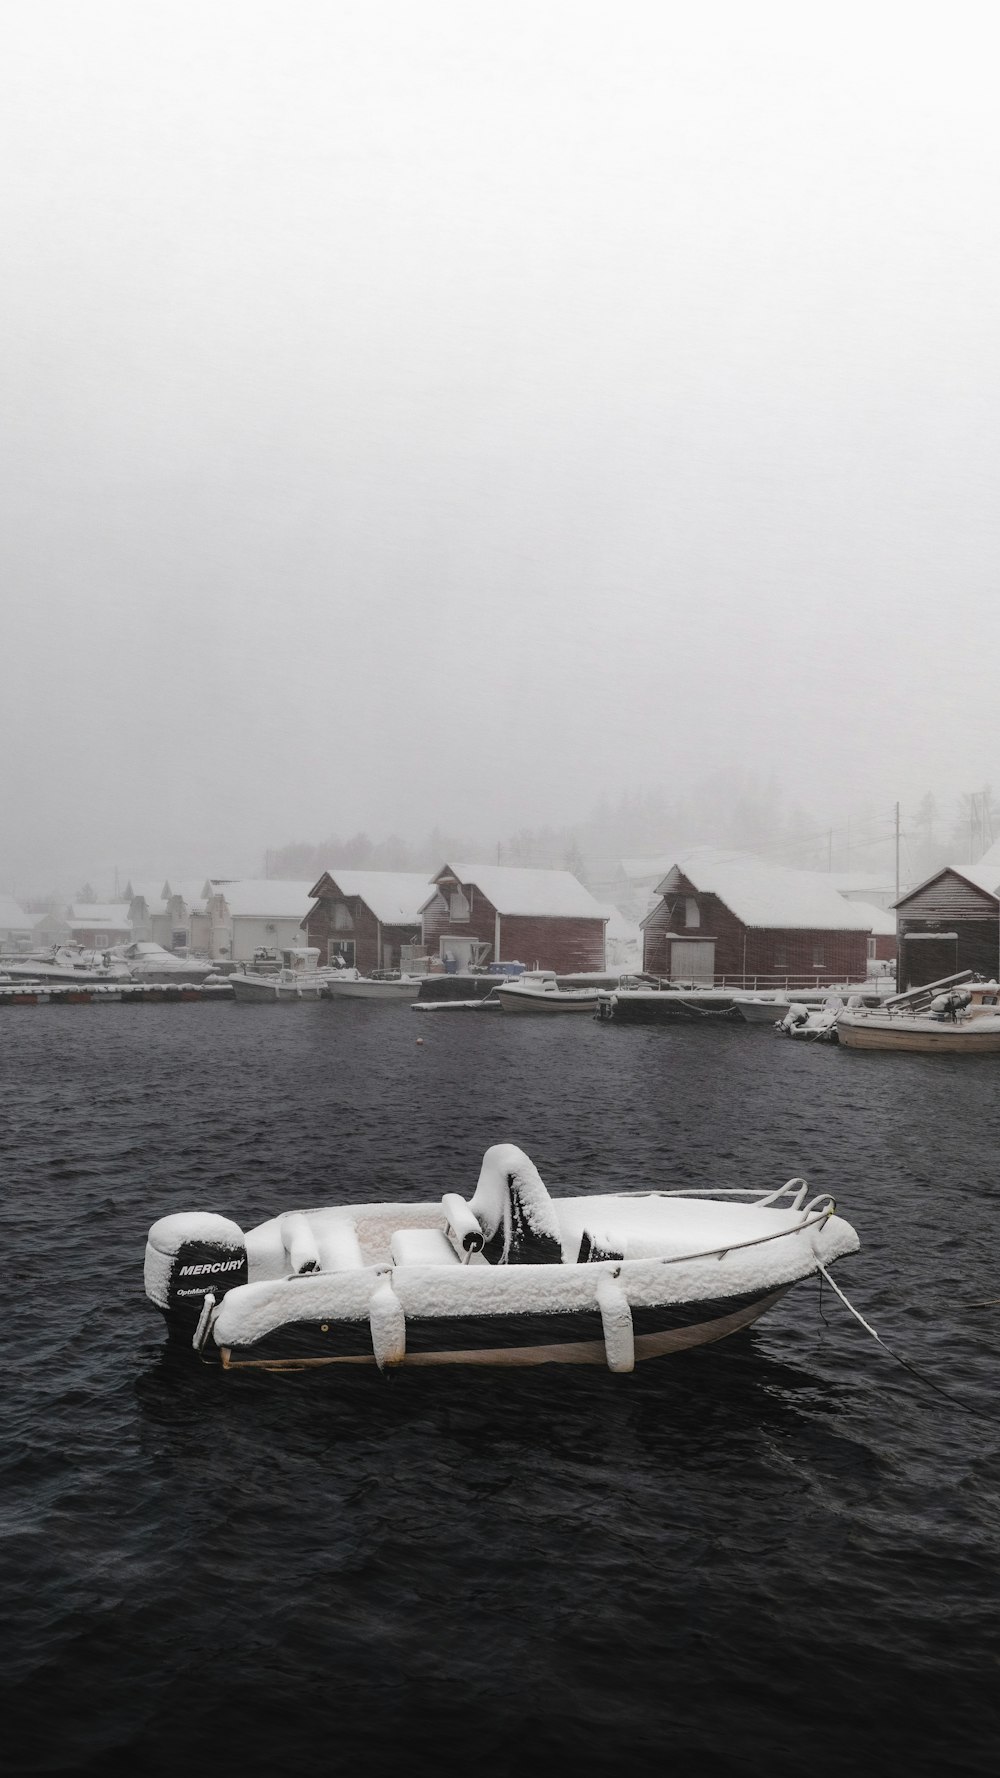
(692,960)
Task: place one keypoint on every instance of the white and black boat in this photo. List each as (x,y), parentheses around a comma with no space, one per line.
(510,1277)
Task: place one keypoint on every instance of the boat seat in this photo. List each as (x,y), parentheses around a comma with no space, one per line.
(340,1249)
(422,1247)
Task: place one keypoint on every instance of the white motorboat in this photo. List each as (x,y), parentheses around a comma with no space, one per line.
(539,991)
(297,978)
(288,987)
(954,1016)
(763,1008)
(147,961)
(66,963)
(347,984)
(510,1277)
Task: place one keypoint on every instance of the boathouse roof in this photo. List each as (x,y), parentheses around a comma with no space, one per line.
(395,897)
(540,894)
(263,898)
(768,895)
(984,875)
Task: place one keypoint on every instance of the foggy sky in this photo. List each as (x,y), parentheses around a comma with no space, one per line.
(454,413)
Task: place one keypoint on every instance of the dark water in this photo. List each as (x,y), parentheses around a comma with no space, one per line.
(777,1555)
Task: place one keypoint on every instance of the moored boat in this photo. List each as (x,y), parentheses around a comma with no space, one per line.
(147,961)
(298,978)
(539,991)
(347,984)
(512,1276)
(958,1016)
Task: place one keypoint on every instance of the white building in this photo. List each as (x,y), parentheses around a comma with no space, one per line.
(173,914)
(249,914)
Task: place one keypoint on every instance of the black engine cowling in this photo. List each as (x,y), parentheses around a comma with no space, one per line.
(187,1256)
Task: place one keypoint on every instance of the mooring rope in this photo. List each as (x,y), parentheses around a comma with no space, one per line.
(920,1376)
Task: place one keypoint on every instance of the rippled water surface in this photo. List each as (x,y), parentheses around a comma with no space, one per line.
(776,1555)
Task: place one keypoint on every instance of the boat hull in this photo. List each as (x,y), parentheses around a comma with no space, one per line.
(507,1341)
(762,1012)
(368,990)
(264,990)
(525,1000)
(926,1037)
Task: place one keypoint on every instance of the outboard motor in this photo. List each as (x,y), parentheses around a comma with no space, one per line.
(189,1255)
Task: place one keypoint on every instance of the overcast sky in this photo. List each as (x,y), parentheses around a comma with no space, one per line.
(435,412)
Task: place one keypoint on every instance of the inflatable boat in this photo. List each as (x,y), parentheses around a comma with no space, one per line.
(512,1276)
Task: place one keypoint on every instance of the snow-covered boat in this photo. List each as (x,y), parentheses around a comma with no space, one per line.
(539,991)
(956,1016)
(66,963)
(813,1024)
(347,984)
(765,1008)
(510,1277)
(297,978)
(147,961)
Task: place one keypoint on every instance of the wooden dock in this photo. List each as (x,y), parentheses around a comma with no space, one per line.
(108,993)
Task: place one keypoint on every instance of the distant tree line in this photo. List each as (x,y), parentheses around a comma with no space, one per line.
(735,810)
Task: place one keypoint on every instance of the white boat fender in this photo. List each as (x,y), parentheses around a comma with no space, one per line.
(300,1243)
(464,1225)
(387,1318)
(616,1319)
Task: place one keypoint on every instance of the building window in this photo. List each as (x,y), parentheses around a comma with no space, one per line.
(781,957)
(458,907)
(342,921)
(100,940)
(817,957)
(341,951)
(178,940)
(692,913)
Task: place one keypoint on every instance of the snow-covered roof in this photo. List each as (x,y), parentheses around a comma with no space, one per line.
(395,897)
(852,882)
(982,875)
(99,913)
(13,917)
(880,921)
(767,895)
(264,898)
(545,894)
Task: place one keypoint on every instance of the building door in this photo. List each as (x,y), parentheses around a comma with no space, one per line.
(692,960)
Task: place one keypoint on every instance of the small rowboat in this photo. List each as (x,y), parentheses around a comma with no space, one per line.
(510,1277)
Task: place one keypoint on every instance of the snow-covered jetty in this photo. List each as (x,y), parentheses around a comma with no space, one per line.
(102,993)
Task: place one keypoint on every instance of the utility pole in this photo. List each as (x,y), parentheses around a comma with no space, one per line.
(897,851)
